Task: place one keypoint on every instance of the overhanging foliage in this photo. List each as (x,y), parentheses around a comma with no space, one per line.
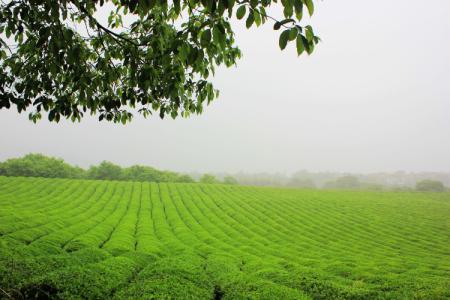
(56,56)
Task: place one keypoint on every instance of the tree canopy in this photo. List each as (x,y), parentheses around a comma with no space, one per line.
(209,179)
(38,165)
(428,185)
(57,56)
(230,180)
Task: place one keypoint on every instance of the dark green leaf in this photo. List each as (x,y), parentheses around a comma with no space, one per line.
(250,20)
(231,3)
(284,37)
(310,5)
(293,33)
(257,18)
(240,13)
(205,38)
(309,33)
(298,5)
(299,44)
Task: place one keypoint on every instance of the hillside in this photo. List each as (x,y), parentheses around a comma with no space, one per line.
(74,238)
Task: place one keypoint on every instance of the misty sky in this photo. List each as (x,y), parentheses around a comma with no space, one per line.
(375,96)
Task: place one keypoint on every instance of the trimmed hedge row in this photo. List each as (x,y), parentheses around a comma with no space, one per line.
(112,239)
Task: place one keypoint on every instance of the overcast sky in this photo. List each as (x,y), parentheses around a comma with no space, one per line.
(375,96)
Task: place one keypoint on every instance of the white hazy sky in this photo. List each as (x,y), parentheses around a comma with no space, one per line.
(375,96)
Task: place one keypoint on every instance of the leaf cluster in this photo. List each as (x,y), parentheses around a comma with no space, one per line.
(56,57)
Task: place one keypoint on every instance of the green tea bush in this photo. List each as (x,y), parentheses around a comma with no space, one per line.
(249,287)
(175,277)
(93,239)
(89,281)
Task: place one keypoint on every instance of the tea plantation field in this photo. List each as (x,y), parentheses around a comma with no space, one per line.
(82,239)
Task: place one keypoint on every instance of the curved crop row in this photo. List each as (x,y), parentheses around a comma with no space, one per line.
(105,239)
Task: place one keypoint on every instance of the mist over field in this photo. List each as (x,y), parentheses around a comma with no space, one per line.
(321,171)
(374,97)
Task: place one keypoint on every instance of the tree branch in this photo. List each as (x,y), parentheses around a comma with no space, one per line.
(103,28)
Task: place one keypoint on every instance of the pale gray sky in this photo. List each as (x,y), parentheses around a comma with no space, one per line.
(375,96)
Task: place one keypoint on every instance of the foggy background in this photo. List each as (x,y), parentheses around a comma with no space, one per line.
(373,97)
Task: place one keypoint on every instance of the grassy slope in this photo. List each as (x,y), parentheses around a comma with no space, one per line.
(99,239)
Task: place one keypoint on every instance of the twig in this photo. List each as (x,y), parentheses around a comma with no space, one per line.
(9,296)
(100,26)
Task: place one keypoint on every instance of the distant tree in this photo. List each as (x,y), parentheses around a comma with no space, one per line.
(344,182)
(185,178)
(401,188)
(145,173)
(208,178)
(305,183)
(261,179)
(230,180)
(141,173)
(430,186)
(105,170)
(372,186)
(38,165)
(160,63)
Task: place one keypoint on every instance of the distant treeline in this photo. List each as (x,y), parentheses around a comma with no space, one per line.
(38,165)
(398,181)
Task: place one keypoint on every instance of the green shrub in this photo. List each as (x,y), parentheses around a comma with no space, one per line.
(430,186)
(230,180)
(208,179)
(38,165)
(175,277)
(242,286)
(88,281)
